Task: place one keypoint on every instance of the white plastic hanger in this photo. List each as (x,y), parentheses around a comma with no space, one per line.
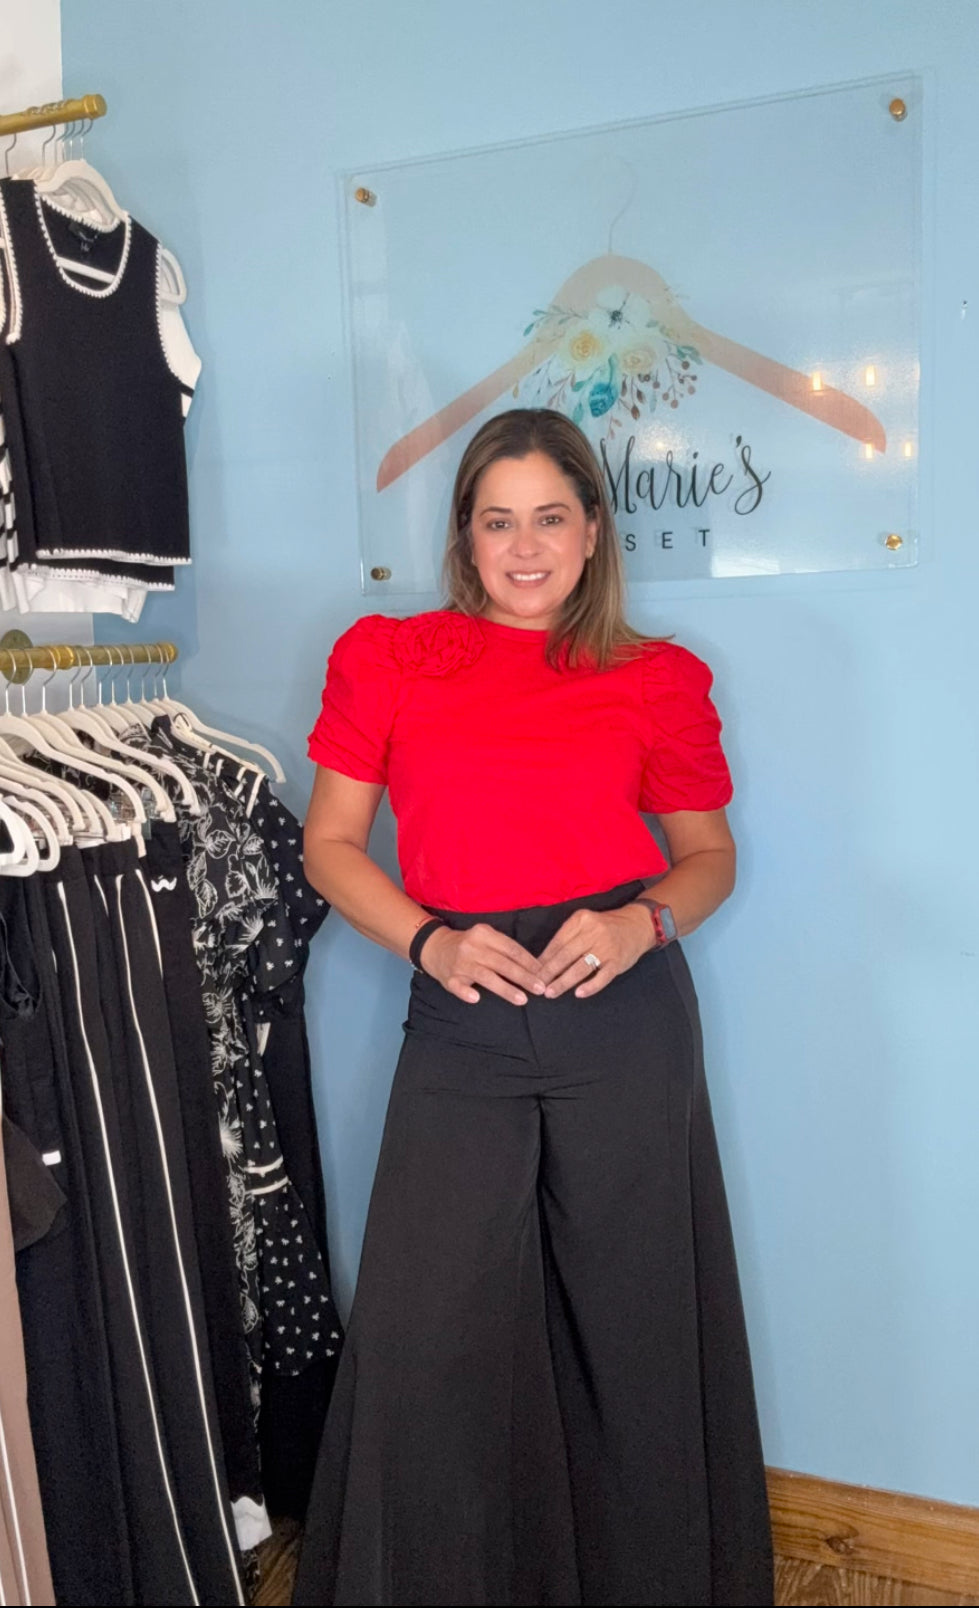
(116,718)
(23,728)
(13,789)
(244,784)
(208,738)
(108,723)
(80,818)
(79,807)
(23,858)
(66,737)
(108,828)
(64,728)
(188,725)
(76,187)
(60,809)
(40,826)
(86,817)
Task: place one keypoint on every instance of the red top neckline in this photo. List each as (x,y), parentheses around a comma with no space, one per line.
(531,631)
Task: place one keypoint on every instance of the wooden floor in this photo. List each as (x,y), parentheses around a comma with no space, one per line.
(802,1583)
(796,1583)
(277,1559)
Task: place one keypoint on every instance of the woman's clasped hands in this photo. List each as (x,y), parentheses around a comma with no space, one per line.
(481,957)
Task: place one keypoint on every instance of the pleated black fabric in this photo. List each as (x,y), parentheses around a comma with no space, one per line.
(70,1396)
(154,1156)
(545,1395)
(160,1566)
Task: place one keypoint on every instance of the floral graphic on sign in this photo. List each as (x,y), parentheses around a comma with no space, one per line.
(610,366)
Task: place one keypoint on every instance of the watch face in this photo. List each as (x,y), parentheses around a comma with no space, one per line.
(667,923)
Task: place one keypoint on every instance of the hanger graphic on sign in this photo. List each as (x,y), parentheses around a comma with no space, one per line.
(579,296)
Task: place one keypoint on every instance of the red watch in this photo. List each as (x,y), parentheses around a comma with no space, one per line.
(663,921)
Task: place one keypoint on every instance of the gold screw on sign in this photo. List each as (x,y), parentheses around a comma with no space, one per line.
(898,110)
(379,573)
(366,197)
(893,541)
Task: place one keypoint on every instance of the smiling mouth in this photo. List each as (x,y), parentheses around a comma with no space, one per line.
(527,577)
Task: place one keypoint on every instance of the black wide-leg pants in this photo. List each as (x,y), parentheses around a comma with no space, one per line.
(545,1395)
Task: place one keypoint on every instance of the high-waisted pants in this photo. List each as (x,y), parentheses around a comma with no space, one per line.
(545,1395)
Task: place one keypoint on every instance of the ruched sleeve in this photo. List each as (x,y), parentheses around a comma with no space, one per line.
(685,766)
(359,701)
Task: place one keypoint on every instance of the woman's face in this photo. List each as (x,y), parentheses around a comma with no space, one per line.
(531,539)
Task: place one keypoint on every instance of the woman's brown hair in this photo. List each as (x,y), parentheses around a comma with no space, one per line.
(592,628)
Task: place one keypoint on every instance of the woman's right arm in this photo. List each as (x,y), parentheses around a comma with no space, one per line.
(335,859)
(338,827)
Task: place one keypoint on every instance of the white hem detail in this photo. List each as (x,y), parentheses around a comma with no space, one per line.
(109,552)
(96,575)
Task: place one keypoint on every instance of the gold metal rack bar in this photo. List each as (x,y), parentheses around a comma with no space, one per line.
(82,110)
(18,663)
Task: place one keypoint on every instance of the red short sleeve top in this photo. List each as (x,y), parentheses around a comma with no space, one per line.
(515,784)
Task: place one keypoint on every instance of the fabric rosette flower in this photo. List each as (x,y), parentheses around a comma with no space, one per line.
(436,644)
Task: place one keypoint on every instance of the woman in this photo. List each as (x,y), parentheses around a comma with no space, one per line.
(545,1395)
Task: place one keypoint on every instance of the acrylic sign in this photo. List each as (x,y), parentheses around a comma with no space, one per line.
(726,302)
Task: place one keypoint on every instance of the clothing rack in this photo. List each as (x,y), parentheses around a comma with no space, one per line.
(19,657)
(83,109)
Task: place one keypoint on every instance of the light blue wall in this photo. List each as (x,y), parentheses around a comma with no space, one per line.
(840,984)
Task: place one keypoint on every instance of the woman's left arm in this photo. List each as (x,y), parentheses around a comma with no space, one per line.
(700,878)
(702,870)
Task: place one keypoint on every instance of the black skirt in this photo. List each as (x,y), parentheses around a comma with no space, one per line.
(545,1395)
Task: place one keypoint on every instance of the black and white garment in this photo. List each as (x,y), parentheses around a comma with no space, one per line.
(60,1275)
(172,1271)
(174,908)
(282,835)
(84,530)
(293,1408)
(243,944)
(121,1398)
(276,996)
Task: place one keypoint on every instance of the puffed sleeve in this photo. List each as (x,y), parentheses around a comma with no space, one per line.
(685,765)
(359,699)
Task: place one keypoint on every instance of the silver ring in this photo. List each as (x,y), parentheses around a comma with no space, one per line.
(592,961)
